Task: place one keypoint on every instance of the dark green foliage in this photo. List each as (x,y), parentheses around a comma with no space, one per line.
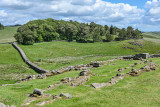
(50,29)
(130,33)
(109,37)
(112,30)
(1,26)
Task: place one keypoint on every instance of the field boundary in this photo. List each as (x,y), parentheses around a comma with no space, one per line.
(27,61)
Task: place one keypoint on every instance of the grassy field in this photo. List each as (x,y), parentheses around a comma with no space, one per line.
(140,91)
(7,35)
(152,36)
(57,54)
(12,67)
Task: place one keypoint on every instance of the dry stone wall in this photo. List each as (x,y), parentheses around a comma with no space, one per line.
(27,61)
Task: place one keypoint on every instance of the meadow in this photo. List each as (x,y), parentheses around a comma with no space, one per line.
(152,36)
(7,35)
(130,92)
(140,91)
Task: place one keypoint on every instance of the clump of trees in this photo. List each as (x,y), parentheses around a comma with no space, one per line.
(50,29)
(1,26)
(129,33)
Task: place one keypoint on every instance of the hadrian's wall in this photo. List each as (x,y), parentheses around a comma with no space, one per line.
(27,61)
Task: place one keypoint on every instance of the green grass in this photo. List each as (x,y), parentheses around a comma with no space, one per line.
(7,34)
(152,36)
(140,91)
(58,54)
(12,67)
(55,55)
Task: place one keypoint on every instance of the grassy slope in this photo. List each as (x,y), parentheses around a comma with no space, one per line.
(7,34)
(57,54)
(153,37)
(12,66)
(139,91)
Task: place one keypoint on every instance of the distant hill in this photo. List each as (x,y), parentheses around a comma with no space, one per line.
(152,36)
(14,25)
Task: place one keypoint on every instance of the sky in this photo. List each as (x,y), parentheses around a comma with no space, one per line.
(141,14)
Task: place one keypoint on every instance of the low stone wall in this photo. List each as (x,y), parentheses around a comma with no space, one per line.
(27,61)
(141,56)
(155,55)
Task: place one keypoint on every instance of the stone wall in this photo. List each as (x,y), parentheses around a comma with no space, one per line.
(27,61)
(155,55)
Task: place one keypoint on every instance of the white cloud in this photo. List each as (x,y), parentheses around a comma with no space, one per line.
(99,11)
(3,13)
(83,2)
(152,15)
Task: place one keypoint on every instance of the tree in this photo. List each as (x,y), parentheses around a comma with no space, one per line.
(70,31)
(122,34)
(1,26)
(137,34)
(108,36)
(129,32)
(112,30)
(106,28)
(50,29)
(83,33)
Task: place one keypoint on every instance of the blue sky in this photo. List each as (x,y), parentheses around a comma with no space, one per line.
(142,14)
(138,3)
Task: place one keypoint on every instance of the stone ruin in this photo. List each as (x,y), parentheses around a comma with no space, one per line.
(83,77)
(3,105)
(134,72)
(148,68)
(141,56)
(112,81)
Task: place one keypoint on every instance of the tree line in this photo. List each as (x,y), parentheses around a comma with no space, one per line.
(50,29)
(1,26)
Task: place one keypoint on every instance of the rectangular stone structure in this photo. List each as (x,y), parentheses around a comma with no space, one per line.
(143,56)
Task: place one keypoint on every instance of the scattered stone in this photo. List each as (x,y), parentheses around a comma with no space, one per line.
(99,85)
(28,102)
(135,72)
(3,105)
(41,103)
(56,97)
(136,63)
(66,95)
(36,93)
(41,76)
(117,78)
(96,64)
(79,80)
(54,72)
(151,66)
(120,70)
(33,77)
(85,73)
(39,60)
(127,68)
(45,102)
(66,80)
